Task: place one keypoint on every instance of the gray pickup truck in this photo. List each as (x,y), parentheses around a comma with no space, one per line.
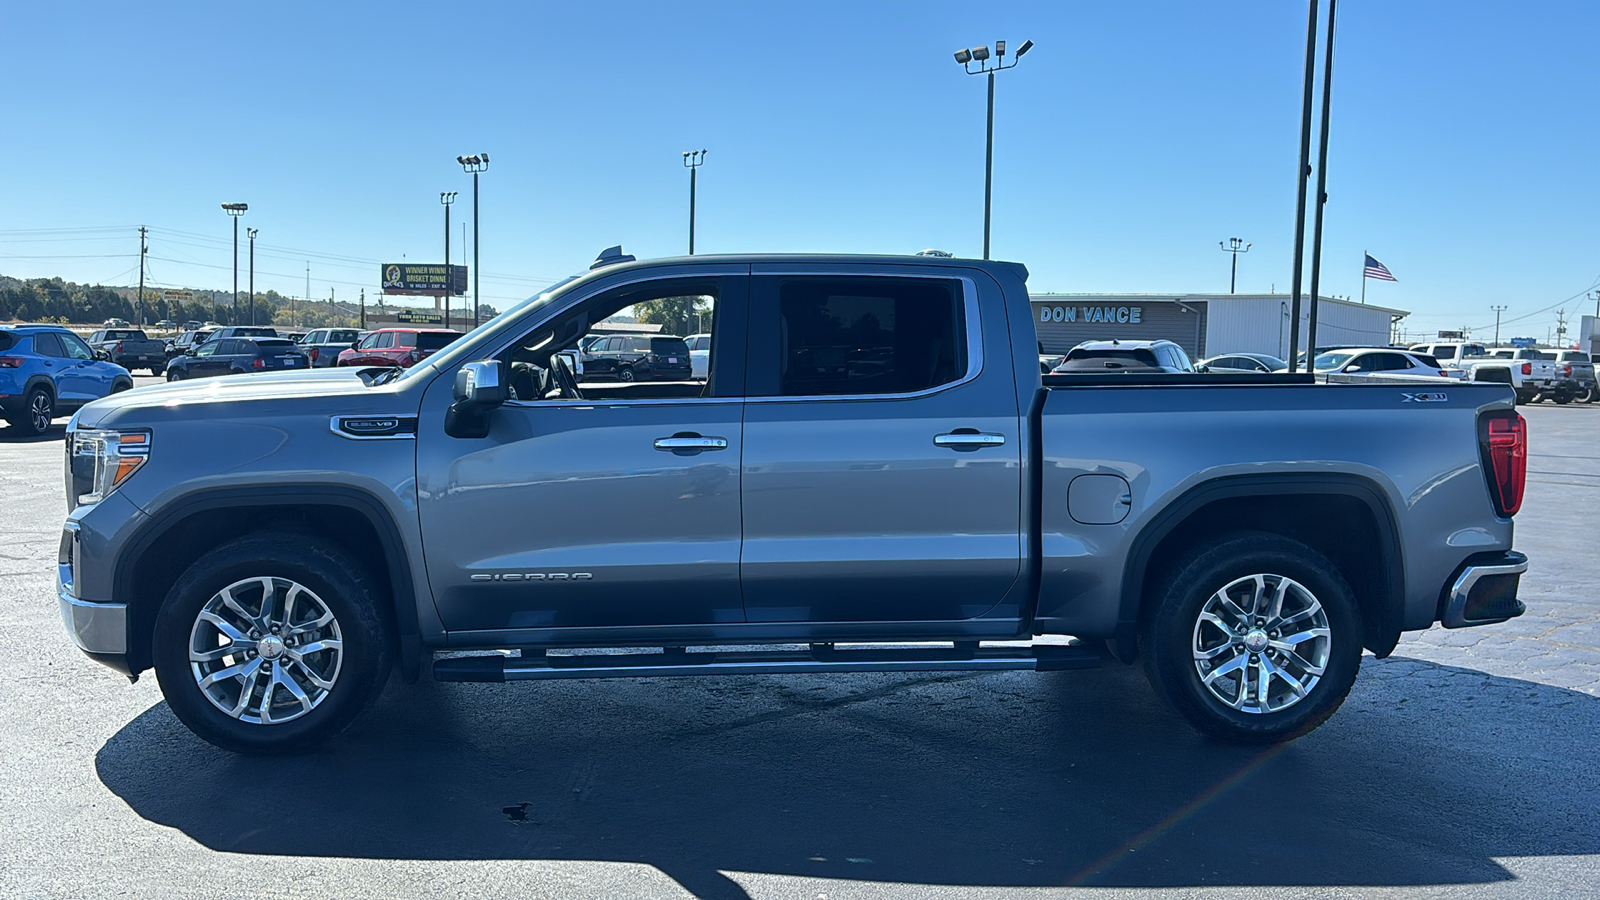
(874,477)
(131,349)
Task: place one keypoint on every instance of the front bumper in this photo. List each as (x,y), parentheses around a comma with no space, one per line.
(99,629)
(1484,592)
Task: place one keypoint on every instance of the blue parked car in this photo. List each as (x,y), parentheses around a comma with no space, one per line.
(47,371)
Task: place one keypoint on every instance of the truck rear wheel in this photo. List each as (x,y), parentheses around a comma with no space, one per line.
(272,643)
(1254,639)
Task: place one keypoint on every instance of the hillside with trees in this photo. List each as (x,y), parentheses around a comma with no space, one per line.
(66,303)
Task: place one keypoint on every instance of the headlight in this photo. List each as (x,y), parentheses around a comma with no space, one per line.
(103,460)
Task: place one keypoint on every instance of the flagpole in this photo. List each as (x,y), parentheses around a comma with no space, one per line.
(1363,277)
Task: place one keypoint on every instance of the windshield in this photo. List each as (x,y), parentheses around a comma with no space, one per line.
(1331,361)
(455,357)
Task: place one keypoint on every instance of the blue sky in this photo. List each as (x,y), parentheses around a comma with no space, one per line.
(1129,142)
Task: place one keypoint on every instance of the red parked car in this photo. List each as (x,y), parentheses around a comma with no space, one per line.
(403,347)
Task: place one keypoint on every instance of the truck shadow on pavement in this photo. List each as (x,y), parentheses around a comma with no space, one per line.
(1426,776)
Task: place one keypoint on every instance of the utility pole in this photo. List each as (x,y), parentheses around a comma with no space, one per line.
(1497,311)
(143,249)
(363,305)
(253,232)
(1236,247)
(1561,327)
(308,284)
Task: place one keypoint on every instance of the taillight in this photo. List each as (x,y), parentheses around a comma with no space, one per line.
(10,362)
(1503,444)
(1566,371)
(258,363)
(314,352)
(1527,368)
(117,348)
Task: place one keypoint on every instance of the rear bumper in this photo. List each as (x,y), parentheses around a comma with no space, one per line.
(1484,592)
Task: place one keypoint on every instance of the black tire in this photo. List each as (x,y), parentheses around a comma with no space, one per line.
(1172,631)
(175,375)
(38,410)
(157,370)
(335,579)
(625,374)
(121,386)
(1562,398)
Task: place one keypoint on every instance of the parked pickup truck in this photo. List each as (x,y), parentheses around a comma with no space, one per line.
(1577,367)
(324,345)
(131,349)
(1530,372)
(874,460)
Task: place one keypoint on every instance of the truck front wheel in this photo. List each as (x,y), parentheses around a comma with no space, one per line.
(272,643)
(1255,638)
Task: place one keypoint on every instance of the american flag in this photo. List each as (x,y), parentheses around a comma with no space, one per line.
(1377,270)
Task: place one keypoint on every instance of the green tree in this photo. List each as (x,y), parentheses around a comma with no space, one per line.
(675,315)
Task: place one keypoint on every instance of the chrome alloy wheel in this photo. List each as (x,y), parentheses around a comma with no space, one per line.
(265,650)
(1261,643)
(41,411)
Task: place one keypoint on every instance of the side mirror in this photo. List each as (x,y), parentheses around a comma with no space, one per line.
(102,355)
(480,387)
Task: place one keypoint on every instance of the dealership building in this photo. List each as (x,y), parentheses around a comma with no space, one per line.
(1206,324)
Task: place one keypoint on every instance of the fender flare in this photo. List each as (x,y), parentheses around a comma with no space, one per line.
(1391,554)
(377,515)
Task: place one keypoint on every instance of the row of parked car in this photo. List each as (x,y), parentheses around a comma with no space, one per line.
(1564,376)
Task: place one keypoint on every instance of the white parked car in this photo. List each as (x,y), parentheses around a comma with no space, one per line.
(699,356)
(1385,361)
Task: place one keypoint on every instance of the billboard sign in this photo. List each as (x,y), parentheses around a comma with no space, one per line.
(1524,342)
(430,280)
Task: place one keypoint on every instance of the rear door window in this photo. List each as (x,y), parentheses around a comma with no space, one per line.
(45,343)
(839,336)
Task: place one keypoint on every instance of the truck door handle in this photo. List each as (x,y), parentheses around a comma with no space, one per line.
(688,442)
(968,439)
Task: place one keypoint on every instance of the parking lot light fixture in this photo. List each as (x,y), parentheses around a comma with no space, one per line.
(475,164)
(966,58)
(253,232)
(447,198)
(1236,247)
(235,210)
(692,160)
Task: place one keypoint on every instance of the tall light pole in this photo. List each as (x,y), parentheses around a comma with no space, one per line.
(235,210)
(1236,247)
(692,160)
(252,232)
(447,198)
(980,56)
(1322,181)
(1301,174)
(1497,311)
(474,164)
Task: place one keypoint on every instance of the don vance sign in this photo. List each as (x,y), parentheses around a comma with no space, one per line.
(1123,314)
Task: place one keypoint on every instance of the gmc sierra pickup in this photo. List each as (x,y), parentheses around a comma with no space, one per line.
(874,477)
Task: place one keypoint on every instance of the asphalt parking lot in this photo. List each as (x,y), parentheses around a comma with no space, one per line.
(1463,766)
